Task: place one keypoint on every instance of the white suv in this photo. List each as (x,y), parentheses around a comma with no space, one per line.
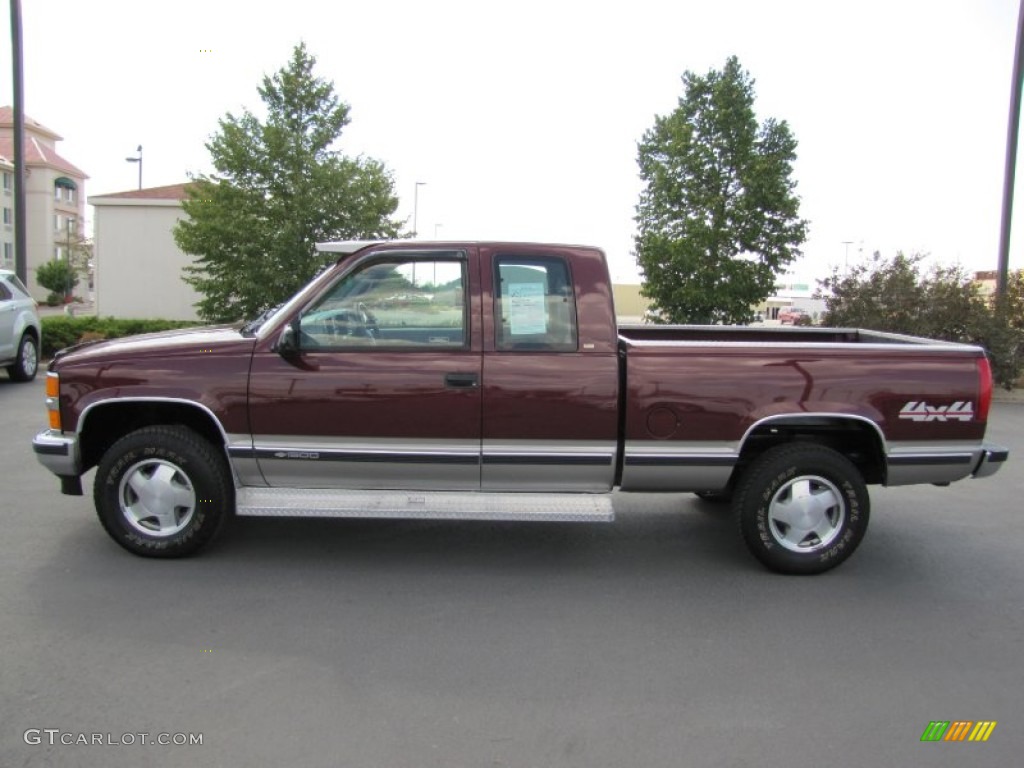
(20,330)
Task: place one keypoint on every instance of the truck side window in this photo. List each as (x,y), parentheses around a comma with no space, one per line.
(417,302)
(535,307)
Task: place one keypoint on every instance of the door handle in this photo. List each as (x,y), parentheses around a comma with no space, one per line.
(461,380)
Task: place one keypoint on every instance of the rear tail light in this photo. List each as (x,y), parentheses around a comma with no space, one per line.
(984,388)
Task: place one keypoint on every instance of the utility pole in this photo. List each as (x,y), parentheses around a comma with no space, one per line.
(416,207)
(1009,174)
(20,256)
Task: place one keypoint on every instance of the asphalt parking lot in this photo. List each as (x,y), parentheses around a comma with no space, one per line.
(654,641)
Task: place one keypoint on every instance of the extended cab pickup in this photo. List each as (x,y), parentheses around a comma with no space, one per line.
(490,381)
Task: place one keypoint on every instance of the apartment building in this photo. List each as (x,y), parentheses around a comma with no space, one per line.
(54,198)
(7,204)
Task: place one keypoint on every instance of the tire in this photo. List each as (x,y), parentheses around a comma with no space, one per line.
(802,508)
(163,491)
(27,363)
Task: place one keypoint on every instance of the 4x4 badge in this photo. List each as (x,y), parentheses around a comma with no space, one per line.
(921,411)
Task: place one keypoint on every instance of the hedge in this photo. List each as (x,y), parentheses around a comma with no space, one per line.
(60,331)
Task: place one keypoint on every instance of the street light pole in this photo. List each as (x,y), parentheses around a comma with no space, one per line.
(139,161)
(1012,132)
(846,261)
(416,206)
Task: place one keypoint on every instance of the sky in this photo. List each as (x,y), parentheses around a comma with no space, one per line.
(522,119)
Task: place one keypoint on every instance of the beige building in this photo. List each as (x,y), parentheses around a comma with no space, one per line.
(7,203)
(54,198)
(138,265)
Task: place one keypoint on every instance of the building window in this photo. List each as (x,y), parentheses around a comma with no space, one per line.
(8,252)
(8,181)
(56,194)
(8,217)
(56,222)
(69,194)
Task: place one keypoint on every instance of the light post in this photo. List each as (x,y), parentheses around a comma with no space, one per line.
(416,206)
(139,161)
(846,262)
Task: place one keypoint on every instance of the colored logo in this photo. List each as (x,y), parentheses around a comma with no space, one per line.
(921,411)
(959,730)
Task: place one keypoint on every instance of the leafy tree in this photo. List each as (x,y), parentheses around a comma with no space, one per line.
(278,189)
(895,295)
(57,276)
(718,216)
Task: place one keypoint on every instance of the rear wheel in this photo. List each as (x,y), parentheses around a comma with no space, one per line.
(27,363)
(162,491)
(802,508)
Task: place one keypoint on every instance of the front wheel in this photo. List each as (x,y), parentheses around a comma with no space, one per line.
(162,491)
(802,508)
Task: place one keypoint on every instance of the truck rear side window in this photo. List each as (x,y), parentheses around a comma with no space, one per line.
(417,302)
(535,307)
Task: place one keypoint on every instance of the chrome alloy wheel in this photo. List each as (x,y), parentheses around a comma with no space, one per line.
(157,498)
(29,359)
(806,514)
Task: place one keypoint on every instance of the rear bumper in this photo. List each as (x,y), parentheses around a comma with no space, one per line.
(58,453)
(992,459)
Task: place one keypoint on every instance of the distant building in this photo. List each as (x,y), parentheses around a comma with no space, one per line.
(138,264)
(54,198)
(7,203)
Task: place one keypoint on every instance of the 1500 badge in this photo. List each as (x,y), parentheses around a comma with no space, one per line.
(921,411)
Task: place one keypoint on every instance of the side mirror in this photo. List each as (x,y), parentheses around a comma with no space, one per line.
(288,342)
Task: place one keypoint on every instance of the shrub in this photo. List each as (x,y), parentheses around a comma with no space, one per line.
(60,332)
(57,276)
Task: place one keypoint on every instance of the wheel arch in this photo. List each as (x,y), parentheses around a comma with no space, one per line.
(857,438)
(120,416)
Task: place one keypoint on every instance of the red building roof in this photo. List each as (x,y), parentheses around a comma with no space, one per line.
(170,192)
(37,154)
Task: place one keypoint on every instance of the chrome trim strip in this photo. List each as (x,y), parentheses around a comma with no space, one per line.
(816,415)
(929,459)
(177,400)
(548,459)
(320,454)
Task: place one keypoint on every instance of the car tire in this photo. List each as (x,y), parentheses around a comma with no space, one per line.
(26,364)
(163,491)
(802,508)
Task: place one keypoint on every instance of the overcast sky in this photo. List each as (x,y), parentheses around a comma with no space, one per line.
(523,117)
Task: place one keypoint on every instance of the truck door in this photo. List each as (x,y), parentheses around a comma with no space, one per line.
(384,392)
(549,396)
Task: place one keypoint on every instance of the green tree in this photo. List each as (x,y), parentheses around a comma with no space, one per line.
(58,277)
(718,215)
(897,296)
(278,189)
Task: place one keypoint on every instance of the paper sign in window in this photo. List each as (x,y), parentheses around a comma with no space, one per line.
(526,308)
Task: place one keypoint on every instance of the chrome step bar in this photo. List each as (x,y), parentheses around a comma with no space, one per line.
(425,505)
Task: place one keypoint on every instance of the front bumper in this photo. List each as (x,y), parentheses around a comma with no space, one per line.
(992,459)
(58,453)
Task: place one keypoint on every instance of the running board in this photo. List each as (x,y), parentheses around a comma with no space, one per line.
(425,505)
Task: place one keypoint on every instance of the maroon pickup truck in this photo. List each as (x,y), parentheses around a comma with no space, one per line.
(490,381)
